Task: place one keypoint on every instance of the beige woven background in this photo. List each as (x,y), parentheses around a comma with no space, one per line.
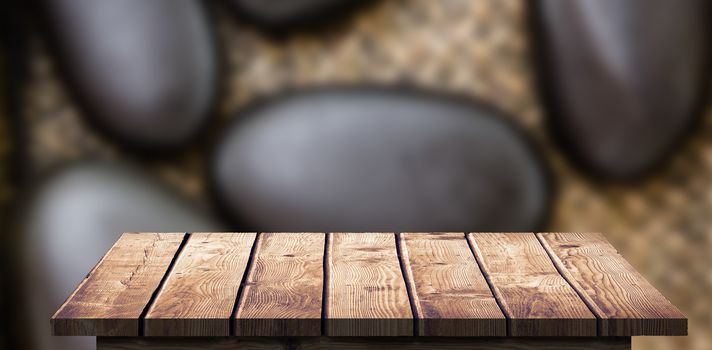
(663,225)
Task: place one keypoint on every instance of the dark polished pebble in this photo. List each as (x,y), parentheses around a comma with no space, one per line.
(281,15)
(623,80)
(354,159)
(145,71)
(72,221)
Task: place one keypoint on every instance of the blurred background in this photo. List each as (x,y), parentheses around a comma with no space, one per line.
(74,173)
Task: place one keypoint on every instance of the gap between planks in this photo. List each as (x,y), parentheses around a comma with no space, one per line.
(629,305)
(171,268)
(283,292)
(328,246)
(495,292)
(406,274)
(559,265)
(249,271)
(154,296)
(356,256)
(557,268)
(141,258)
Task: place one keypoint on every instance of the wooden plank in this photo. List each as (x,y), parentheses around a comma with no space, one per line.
(375,343)
(283,290)
(620,296)
(536,299)
(199,295)
(110,300)
(366,294)
(450,295)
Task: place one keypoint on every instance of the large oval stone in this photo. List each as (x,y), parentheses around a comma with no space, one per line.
(280,15)
(623,80)
(378,160)
(73,220)
(145,71)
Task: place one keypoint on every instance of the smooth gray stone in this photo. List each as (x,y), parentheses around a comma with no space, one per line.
(146,71)
(623,80)
(283,14)
(72,221)
(355,159)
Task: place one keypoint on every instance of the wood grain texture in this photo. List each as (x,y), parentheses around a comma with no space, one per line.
(366,293)
(283,290)
(620,296)
(449,292)
(365,284)
(200,293)
(536,299)
(376,343)
(110,300)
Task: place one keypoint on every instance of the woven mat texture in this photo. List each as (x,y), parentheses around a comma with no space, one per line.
(662,225)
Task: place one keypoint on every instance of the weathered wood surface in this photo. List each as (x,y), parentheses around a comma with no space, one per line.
(366,293)
(199,294)
(283,289)
(365,284)
(449,293)
(536,299)
(620,296)
(375,343)
(109,301)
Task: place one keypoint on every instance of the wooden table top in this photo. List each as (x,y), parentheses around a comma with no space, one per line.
(365,284)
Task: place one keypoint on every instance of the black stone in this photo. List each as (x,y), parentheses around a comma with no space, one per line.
(145,71)
(282,15)
(359,159)
(73,219)
(622,80)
